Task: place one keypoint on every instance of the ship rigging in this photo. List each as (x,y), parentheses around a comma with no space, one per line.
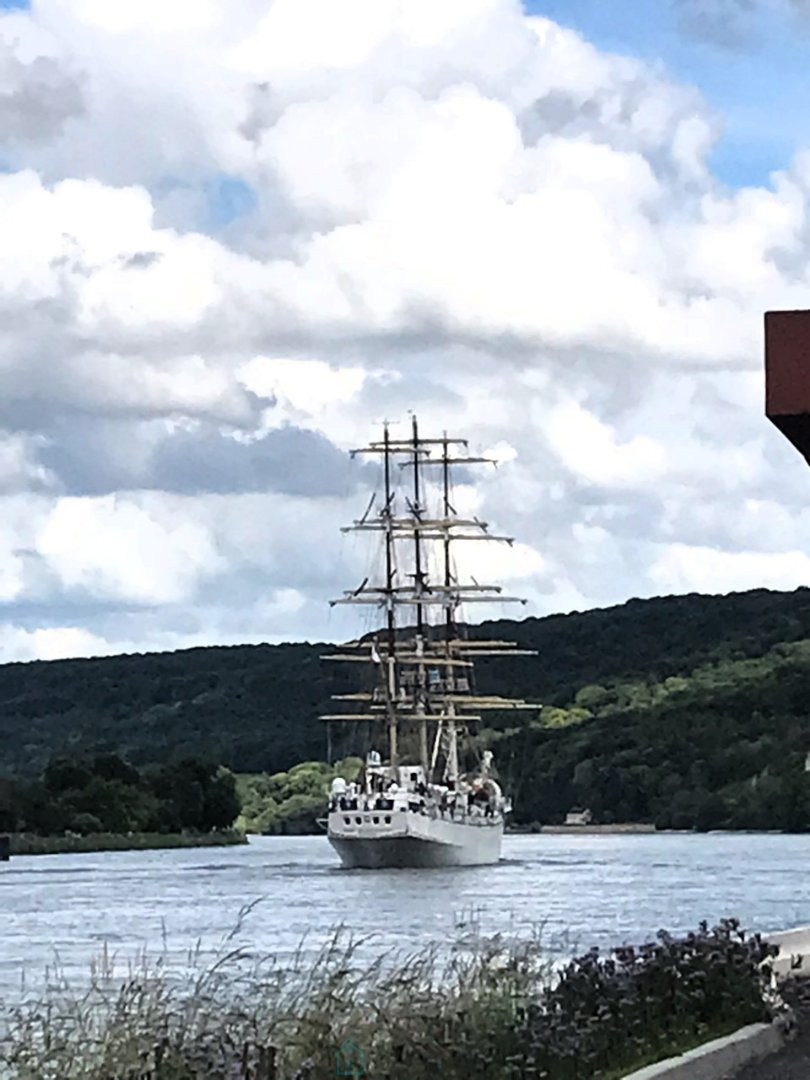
(424,690)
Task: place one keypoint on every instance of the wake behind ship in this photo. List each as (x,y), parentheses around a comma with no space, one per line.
(424,805)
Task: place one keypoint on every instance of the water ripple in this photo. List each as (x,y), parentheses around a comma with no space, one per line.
(574,891)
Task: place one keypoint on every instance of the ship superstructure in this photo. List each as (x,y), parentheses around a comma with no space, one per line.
(418,806)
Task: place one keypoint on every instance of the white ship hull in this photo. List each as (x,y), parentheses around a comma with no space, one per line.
(373,840)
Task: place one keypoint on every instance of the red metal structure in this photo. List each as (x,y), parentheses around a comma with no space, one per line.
(787,375)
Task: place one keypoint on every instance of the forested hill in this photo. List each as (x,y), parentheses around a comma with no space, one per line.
(654,708)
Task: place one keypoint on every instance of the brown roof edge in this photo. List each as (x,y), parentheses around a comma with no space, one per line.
(787,375)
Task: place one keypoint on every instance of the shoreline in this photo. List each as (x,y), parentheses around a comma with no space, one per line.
(29,844)
(581,830)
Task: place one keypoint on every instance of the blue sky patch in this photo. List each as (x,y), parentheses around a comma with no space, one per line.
(753,71)
(214,202)
(229,198)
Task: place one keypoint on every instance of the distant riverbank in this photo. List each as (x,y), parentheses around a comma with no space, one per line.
(587,830)
(29,844)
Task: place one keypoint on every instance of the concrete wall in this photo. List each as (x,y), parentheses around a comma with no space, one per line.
(718,1059)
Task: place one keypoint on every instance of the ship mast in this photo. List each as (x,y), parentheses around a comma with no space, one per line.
(390,675)
(419,585)
(451,769)
(425,668)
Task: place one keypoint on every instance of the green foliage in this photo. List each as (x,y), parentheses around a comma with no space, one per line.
(686,711)
(195,795)
(497,1012)
(720,747)
(71,843)
(255,708)
(591,697)
(556,717)
(290,803)
(105,794)
(349,768)
(249,707)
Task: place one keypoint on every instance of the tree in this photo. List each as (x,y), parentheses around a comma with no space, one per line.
(221,803)
(592,697)
(64,774)
(113,767)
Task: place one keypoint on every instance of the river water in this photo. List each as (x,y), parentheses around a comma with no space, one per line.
(61,911)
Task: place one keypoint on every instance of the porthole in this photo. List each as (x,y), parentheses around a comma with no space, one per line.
(387,819)
(359,820)
(348,820)
(376,821)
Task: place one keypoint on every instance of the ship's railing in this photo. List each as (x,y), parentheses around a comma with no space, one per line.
(408,801)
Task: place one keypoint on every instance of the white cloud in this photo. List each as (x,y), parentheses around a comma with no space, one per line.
(701,569)
(459,210)
(501,561)
(19,469)
(88,280)
(152,16)
(115,549)
(589,448)
(308,393)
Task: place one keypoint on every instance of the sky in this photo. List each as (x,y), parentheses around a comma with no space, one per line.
(236,235)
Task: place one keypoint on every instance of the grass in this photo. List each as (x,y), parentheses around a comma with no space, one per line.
(499,1010)
(269,1019)
(71,843)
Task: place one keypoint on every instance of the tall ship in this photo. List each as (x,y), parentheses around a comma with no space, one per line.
(421,800)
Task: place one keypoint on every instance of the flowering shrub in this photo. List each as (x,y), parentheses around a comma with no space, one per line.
(637,1005)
